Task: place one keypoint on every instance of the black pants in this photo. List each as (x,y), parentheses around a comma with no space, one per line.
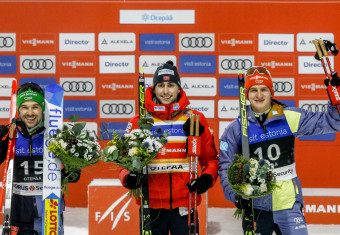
(164,221)
(264,223)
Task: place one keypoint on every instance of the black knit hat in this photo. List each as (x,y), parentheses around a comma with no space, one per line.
(166,73)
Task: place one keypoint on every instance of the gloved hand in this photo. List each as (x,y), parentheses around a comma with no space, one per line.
(133,180)
(186,128)
(201,184)
(72,176)
(242,203)
(335,79)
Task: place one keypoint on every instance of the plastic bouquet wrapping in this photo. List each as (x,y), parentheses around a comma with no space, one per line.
(251,178)
(76,150)
(132,151)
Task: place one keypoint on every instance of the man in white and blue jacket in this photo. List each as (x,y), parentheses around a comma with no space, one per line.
(273,128)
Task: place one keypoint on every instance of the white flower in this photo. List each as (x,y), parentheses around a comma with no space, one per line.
(247,189)
(157,145)
(253,163)
(76,154)
(148,142)
(110,150)
(132,151)
(132,143)
(263,188)
(63,144)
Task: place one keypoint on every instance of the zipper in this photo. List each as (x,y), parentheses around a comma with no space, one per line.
(170,182)
(30,146)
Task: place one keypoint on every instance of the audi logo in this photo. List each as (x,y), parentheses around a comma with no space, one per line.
(196,42)
(233,64)
(77,86)
(117,109)
(37,64)
(6,42)
(283,87)
(315,107)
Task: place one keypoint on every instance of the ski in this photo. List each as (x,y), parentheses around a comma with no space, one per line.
(248,214)
(322,53)
(145,208)
(194,150)
(52,166)
(7,182)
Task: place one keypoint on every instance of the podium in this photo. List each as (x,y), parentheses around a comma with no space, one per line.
(112,211)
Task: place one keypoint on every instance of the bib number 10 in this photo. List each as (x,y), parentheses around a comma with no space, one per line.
(271,148)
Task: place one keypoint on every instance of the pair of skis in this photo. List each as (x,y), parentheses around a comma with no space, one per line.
(145,202)
(194,150)
(7,181)
(322,47)
(248,212)
(52,166)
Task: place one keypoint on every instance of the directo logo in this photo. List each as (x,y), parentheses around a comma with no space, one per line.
(109,213)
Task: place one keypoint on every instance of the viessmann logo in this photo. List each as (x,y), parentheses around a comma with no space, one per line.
(243,42)
(75,64)
(322,208)
(122,215)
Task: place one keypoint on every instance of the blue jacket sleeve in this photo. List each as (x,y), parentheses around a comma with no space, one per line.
(228,148)
(313,123)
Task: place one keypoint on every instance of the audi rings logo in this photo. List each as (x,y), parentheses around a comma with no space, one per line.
(6,42)
(74,86)
(282,87)
(196,42)
(236,64)
(37,64)
(117,109)
(315,107)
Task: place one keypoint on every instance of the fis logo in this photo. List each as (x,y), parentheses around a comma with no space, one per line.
(110,214)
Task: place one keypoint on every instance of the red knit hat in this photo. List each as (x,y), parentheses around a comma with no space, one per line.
(258,75)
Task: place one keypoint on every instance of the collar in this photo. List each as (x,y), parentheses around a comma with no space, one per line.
(165,111)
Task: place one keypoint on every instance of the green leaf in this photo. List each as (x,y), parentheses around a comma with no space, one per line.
(106,151)
(145,126)
(115,155)
(136,163)
(78,127)
(73,118)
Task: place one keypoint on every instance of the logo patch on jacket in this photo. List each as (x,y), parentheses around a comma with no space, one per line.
(223,145)
(159,108)
(175,106)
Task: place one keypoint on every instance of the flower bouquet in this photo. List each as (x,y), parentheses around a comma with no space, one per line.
(132,151)
(251,178)
(75,149)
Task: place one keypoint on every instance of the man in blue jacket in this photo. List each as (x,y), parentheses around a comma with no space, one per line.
(273,128)
(26,210)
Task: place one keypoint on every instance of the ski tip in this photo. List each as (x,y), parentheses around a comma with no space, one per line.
(240,71)
(141,70)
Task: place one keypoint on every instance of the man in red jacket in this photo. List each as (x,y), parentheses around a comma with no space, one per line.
(170,186)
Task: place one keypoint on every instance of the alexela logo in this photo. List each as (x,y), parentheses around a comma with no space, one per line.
(6,87)
(199,86)
(76,42)
(117,41)
(309,65)
(157,16)
(304,41)
(150,62)
(276,42)
(228,109)
(117,64)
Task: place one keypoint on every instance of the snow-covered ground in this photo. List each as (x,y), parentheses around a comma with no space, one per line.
(220,222)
